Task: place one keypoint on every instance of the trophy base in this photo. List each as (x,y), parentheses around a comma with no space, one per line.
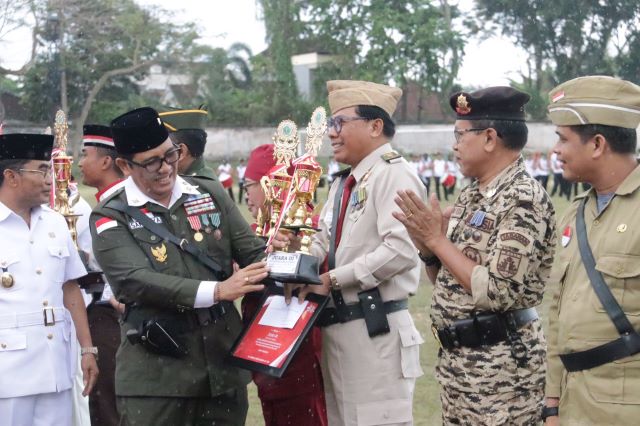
(293,268)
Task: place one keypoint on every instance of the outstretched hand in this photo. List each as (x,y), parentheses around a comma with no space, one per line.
(243,281)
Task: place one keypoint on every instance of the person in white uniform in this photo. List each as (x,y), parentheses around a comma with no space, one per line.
(41,307)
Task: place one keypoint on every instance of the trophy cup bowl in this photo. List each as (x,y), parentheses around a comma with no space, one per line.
(301,266)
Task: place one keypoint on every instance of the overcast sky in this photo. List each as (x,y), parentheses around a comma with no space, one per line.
(224,22)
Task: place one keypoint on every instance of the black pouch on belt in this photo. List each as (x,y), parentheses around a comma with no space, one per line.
(157,338)
(374,313)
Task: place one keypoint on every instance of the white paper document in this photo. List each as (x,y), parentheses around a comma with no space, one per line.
(281,315)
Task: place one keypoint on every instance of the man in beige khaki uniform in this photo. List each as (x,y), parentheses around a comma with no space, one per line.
(596,119)
(368,380)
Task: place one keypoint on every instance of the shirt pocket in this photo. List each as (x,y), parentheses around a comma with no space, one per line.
(622,275)
(12,341)
(58,260)
(616,382)
(394,411)
(161,253)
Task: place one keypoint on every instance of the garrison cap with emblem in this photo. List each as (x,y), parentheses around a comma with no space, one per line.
(596,100)
(492,103)
(187,126)
(98,136)
(25,146)
(184,119)
(349,93)
(138,131)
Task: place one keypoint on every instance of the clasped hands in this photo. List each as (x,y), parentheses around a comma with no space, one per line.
(426,224)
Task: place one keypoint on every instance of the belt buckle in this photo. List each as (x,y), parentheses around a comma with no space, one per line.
(49,316)
(434,330)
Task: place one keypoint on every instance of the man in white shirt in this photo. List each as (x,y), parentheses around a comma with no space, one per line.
(41,307)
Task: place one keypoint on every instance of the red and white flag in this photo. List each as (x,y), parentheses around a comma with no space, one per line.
(566,236)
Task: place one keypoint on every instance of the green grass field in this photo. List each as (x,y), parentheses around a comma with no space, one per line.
(426,402)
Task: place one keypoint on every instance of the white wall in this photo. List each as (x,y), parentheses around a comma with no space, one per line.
(418,139)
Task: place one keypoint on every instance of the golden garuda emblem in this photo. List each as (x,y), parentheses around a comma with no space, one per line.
(462,105)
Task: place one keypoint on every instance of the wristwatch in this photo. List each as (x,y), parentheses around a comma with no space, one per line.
(429,260)
(549,412)
(333,282)
(89,350)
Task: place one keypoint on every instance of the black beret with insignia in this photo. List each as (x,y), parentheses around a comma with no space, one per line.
(138,131)
(492,103)
(25,146)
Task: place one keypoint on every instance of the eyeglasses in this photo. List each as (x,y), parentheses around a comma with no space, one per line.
(337,122)
(246,186)
(459,133)
(155,164)
(44,173)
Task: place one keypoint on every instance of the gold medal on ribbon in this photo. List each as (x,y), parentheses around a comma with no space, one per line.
(7,280)
(198,236)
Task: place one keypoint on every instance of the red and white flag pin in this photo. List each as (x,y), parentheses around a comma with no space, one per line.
(566,236)
(557,96)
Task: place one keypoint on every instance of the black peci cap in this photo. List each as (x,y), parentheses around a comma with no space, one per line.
(492,103)
(138,131)
(25,146)
(97,135)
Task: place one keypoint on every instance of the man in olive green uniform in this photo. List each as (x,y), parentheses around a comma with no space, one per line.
(179,322)
(369,370)
(489,268)
(187,130)
(596,119)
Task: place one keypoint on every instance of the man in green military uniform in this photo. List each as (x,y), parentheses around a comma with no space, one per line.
(187,130)
(179,323)
(593,373)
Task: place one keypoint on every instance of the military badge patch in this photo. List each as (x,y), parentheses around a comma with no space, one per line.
(462,105)
(508,263)
(472,254)
(515,236)
(105,223)
(160,253)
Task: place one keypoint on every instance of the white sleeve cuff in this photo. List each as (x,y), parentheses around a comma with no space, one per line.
(204,296)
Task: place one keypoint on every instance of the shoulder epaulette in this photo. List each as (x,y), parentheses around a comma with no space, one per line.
(343,172)
(390,156)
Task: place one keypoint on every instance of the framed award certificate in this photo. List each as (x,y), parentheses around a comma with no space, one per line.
(268,344)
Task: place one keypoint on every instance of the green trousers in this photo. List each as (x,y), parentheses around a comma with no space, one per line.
(226,409)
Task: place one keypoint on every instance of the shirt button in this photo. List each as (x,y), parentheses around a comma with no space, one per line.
(39,271)
(30,241)
(596,222)
(153,238)
(174,217)
(49,336)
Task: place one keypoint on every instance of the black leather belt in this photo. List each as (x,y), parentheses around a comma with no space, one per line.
(185,321)
(329,316)
(485,329)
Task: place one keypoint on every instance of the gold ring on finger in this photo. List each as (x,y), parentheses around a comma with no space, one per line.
(409,215)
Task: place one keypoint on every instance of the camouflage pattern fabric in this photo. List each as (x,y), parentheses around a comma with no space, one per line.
(517,408)
(513,245)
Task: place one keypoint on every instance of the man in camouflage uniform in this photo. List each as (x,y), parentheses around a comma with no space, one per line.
(490,268)
(187,130)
